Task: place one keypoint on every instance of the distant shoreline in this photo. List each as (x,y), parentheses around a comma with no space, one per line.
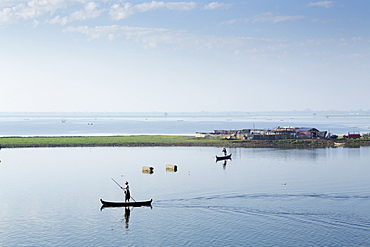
(171,141)
(318,113)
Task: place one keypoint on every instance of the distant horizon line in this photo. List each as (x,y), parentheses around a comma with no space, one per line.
(198,113)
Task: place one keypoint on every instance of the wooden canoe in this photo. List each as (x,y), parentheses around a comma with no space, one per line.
(226,157)
(126,204)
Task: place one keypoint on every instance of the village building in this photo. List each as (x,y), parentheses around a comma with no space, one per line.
(267,134)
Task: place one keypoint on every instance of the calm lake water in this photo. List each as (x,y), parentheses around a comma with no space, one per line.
(262,197)
(180,125)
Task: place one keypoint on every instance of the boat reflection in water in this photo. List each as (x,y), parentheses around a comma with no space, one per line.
(126,218)
(224,158)
(127,208)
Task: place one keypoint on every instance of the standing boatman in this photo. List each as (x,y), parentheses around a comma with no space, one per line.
(126,189)
(224,151)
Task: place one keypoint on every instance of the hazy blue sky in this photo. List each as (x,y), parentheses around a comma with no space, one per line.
(241,55)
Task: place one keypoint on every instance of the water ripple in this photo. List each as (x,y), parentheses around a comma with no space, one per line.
(272,208)
(267,195)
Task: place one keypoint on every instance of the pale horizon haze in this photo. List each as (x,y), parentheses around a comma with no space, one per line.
(184,56)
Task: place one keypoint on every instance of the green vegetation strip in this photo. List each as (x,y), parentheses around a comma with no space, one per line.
(88,141)
(164,140)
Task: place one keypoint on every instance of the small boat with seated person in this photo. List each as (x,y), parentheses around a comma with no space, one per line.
(226,157)
(126,204)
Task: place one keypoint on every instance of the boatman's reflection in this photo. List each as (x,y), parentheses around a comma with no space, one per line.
(224,164)
(127,216)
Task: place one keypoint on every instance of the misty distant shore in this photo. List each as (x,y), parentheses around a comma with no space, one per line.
(320,113)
